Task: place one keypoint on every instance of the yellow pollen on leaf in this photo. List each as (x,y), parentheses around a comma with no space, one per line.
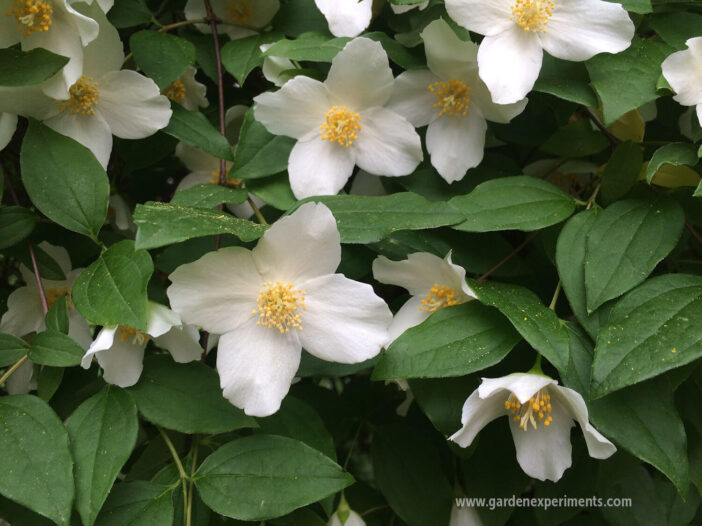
(439,297)
(84,97)
(536,410)
(239,12)
(33,16)
(279,306)
(341,126)
(138,337)
(453,97)
(233,181)
(532,15)
(175,92)
(53,295)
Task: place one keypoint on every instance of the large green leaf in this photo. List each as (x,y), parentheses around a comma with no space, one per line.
(265,476)
(36,464)
(16,223)
(64,180)
(243,55)
(138,504)
(442,399)
(676,27)
(566,80)
(26,68)
(513,203)
(112,291)
(161,56)
(208,196)
(621,171)
(674,153)
(315,47)
(11,349)
(654,328)
(452,342)
(576,139)
(193,128)
(103,433)
(55,349)
(625,244)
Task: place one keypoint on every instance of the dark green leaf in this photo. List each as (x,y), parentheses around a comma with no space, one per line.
(442,399)
(55,349)
(621,171)
(576,139)
(11,349)
(566,80)
(129,13)
(16,223)
(161,56)
(193,128)
(208,196)
(398,53)
(242,56)
(27,68)
(48,382)
(138,504)
(675,153)
(57,317)
(677,27)
(315,47)
(274,191)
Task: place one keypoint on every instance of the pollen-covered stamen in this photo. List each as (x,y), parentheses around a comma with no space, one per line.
(84,97)
(453,97)
(536,410)
(33,16)
(532,15)
(239,12)
(341,126)
(137,337)
(175,92)
(53,294)
(438,298)
(279,306)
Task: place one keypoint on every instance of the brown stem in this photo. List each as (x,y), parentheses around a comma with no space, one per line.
(510,255)
(694,232)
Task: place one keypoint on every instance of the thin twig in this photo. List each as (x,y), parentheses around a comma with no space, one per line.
(12,369)
(510,255)
(193,467)
(257,212)
(554,300)
(596,121)
(694,232)
(174,453)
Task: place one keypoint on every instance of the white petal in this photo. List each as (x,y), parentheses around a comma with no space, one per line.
(195,160)
(344,320)
(522,385)
(502,113)
(399,9)
(24,313)
(319,167)
(367,184)
(182,342)
(9,34)
(354,519)
(262,13)
(132,104)
(387,144)
(360,75)
(218,291)
(85,26)
(106,52)
(476,414)
(487,17)
(22,380)
(699,113)
(160,319)
(122,363)
(245,210)
(103,341)
(412,99)
(122,213)
(256,366)
(195,92)
(79,329)
(194,179)
(456,143)
(59,254)
(447,55)
(195,10)
(509,64)
(303,245)
(28,101)
(273,67)
(683,71)
(464,516)
(90,130)
(346,18)
(8,125)
(237,32)
(233,119)
(409,315)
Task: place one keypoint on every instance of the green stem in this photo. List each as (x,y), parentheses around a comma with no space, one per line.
(554,300)
(174,453)
(193,467)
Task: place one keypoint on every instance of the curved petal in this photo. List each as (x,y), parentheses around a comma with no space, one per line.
(412,99)
(487,17)
(262,13)
(346,18)
(319,167)
(90,130)
(195,10)
(8,125)
(106,52)
(195,92)
(160,319)
(476,414)
(502,113)
(196,160)
(256,366)
(273,67)
(233,120)
(447,55)
(237,32)
(522,385)
(79,329)
(218,291)
(59,254)
(409,315)
(683,71)
(85,26)
(194,179)
(122,363)
(22,380)
(456,143)
(103,341)
(182,342)
(24,314)
(28,101)
(300,246)
(509,64)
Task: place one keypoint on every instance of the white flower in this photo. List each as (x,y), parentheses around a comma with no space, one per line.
(8,125)
(541,414)
(399,9)
(120,214)
(273,67)
(120,350)
(464,516)
(22,380)
(242,18)
(683,71)
(452,100)
(517,31)
(187,91)
(341,123)
(270,302)
(353,519)
(346,18)
(433,283)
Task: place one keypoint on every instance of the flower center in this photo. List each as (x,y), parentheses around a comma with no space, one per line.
(175,92)
(341,126)
(137,337)
(532,15)
(32,16)
(537,408)
(438,298)
(278,306)
(453,97)
(53,295)
(84,97)
(239,12)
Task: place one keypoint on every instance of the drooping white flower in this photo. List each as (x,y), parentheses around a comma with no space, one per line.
(464,516)
(120,350)
(517,31)
(452,100)
(187,91)
(352,519)
(433,283)
(341,122)
(242,18)
(399,9)
(683,71)
(541,413)
(270,302)
(8,125)
(346,18)
(273,67)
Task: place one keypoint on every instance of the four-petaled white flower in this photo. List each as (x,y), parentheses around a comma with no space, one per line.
(187,91)
(346,18)
(8,125)
(120,350)
(683,71)
(270,302)
(342,122)
(242,18)
(541,413)
(452,100)
(517,31)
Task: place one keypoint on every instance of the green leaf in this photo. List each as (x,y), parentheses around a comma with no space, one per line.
(625,244)
(57,317)
(451,342)
(274,191)
(674,153)
(513,203)
(55,349)
(209,196)
(185,398)
(314,47)
(538,324)
(399,54)
(193,128)
(165,223)
(64,180)
(566,80)
(129,13)
(240,57)
(12,349)
(138,504)
(112,290)
(442,399)
(676,27)
(576,139)
(16,223)
(48,382)
(621,171)
(698,191)
(161,56)
(635,6)
(27,68)
(36,464)
(103,432)
(48,268)
(259,153)
(655,328)
(265,476)
(577,374)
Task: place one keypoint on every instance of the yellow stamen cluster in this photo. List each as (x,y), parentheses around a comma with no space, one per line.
(453,97)
(137,337)
(279,306)
(532,15)
(33,16)
(175,92)
(239,12)
(538,407)
(53,295)
(438,298)
(84,97)
(341,126)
